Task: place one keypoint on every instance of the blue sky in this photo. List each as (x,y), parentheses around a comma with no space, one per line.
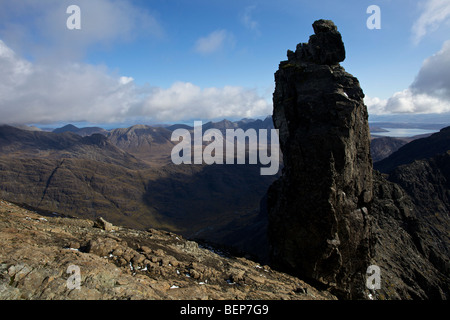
(171,61)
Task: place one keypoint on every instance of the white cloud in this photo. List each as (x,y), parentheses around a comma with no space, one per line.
(248,21)
(429,93)
(47,93)
(408,101)
(125,80)
(435,13)
(188,101)
(214,42)
(375,105)
(69,92)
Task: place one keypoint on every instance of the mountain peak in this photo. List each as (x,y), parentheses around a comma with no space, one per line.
(68,127)
(324,47)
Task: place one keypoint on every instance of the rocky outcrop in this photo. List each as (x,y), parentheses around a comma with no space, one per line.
(330,215)
(60,258)
(318,209)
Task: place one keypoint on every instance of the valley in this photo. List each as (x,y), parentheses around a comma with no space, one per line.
(127,177)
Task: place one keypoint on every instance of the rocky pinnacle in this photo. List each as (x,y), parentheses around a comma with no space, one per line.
(319,209)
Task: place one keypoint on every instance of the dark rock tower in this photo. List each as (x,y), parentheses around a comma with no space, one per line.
(318,209)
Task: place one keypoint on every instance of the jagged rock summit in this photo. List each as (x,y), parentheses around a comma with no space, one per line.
(324,47)
(318,209)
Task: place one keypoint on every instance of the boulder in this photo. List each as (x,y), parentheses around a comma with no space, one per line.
(103,224)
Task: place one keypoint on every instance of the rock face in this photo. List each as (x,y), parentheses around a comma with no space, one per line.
(318,209)
(325,46)
(409,246)
(427,183)
(420,170)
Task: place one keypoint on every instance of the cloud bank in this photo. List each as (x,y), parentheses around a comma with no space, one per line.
(76,92)
(429,93)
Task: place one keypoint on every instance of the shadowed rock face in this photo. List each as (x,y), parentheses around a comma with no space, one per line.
(318,209)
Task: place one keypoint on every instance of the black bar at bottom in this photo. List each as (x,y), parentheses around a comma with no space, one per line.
(219,309)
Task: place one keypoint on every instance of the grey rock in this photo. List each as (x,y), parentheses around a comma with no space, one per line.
(318,221)
(404,244)
(324,47)
(103,224)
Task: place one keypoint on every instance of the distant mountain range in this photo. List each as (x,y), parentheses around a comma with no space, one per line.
(153,143)
(45,145)
(377,125)
(87,131)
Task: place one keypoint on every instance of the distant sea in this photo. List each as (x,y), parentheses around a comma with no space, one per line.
(403,132)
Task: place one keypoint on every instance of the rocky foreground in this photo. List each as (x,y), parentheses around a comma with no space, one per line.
(41,257)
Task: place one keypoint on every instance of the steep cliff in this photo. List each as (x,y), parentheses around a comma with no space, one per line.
(318,216)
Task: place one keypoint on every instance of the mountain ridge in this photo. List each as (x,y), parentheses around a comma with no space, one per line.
(437,143)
